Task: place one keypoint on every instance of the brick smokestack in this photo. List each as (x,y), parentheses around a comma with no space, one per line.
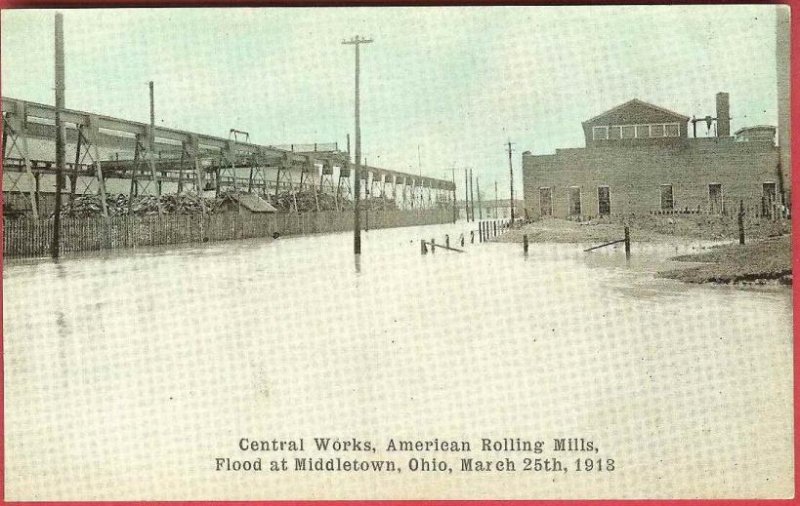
(723,115)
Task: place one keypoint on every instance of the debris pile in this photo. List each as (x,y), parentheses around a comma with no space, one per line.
(304,201)
(307,200)
(84,206)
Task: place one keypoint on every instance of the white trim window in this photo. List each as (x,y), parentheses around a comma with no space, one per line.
(636,131)
(628,131)
(672,130)
(600,133)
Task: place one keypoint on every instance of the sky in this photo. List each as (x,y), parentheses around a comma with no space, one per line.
(441,87)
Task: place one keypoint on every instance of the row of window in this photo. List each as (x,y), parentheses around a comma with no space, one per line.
(649,131)
(667,198)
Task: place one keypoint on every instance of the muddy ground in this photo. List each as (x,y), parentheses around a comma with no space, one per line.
(760,262)
(765,258)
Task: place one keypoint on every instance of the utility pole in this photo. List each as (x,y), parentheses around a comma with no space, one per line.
(60,131)
(455,204)
(471,196)
(151,148)
(496,202)
(480,205)
(511,171)
(466,194)
(357,41)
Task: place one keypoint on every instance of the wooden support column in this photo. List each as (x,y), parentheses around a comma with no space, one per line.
(73,179)
(151,160)
(93,141)
(310,166)
(19,125)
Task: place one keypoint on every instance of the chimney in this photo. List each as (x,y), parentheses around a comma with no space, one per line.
(723,115)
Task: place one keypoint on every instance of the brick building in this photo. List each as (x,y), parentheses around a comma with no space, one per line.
(640,159)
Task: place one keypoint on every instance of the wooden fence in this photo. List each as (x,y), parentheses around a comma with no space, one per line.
(25,238)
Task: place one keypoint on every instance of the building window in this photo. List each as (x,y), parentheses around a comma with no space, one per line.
(628,132)
(600,133)
(716,203)
(603,200)
(574,201)
(636,131)
(672,130)
(545,201)
(656,130)
(768,198)
(667,200)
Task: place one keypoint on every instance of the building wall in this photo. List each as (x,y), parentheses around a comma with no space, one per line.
(634,175)
(784,80)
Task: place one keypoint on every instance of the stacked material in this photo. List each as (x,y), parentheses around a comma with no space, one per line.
(306,200)
(378,204)
(92,205)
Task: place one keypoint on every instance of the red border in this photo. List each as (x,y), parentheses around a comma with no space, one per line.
(795,178)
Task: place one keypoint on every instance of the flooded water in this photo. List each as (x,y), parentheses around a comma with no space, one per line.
(127,374)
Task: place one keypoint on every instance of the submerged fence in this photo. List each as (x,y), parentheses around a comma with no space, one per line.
(24,237)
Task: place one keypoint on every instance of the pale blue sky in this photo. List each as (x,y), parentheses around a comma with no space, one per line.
(458,82)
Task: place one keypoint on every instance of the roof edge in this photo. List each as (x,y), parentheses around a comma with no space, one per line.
(636,101)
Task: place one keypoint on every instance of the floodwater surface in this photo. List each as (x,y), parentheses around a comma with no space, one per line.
(128,374)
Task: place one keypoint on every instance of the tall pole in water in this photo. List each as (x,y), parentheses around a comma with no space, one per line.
(60,131)
(511,171)
(496,202)
(466,194)
(480,204)
(471,196)
(455,205)
(357,41)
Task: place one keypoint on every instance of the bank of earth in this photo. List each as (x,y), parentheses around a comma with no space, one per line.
(764,259)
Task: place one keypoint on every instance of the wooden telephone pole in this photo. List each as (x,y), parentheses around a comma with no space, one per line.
(60,131)
(471,196)
(356,42)
(480,204)
(496,202)
(511,171)
(466,194)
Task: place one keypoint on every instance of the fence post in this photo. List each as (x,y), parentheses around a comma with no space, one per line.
(627,243)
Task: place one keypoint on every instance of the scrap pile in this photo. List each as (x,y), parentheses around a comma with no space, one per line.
(185,203)
(306,200)
(84,206)
(378,204)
